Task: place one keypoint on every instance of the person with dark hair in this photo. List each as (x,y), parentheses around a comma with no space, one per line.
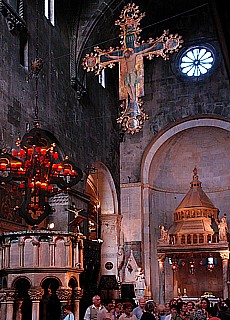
(148,311)
(127,308)
(68,313)
(201,310)
(117,311)
(173,310)
(205,304)
(182,313)
(190,308)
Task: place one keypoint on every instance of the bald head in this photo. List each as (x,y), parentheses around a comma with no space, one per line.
(96,301)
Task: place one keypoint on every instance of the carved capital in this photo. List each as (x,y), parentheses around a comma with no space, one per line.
(36,294)
(78,293)
(224,255)
(161,257)
(8,295)
(64,294)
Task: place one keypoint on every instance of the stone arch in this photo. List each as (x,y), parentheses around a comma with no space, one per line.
(157,142)
(102,186)
(101,189)
(21,279)
(73,283)
(50,306)
(23,303)
(54,281)
(162,189)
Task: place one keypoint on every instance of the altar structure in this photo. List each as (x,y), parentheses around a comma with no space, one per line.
(196,249)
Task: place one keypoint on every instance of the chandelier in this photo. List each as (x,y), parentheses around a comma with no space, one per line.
(35,168)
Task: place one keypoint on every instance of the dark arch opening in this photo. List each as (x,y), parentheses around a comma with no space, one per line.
(23,303)
(50,306)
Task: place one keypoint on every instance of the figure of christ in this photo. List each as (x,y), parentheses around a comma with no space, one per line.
(132,71)
(131,68)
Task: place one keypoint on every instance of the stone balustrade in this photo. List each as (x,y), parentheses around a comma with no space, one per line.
(193,239)
(41,249)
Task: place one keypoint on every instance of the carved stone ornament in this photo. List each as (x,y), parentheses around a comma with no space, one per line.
(64,294)
(36,293)
(13,19)
(224,255)
(7,295)
(77,293)
(161,257)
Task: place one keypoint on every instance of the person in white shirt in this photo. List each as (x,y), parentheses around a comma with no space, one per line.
(94,311)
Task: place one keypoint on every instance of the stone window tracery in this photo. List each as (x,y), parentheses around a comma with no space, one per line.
(196,62)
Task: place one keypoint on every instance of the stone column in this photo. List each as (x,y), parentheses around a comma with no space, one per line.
(147,252)
(80,250)
(161,260)
(77,293)
(224,258)
(19,311)
(51,255)
(110,243)
(10,298)
(7,298)
(21,253)
(67,254)
(36,245)
(35,296)
(7,256)
(64,295)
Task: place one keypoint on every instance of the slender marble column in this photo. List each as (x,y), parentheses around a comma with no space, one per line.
(161,260)
(64,295)
(10,298)
(78,293)
(225,257)
(36,296)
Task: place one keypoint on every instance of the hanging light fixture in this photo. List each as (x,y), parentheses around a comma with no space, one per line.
(210,265)
(35,166)
(192,266)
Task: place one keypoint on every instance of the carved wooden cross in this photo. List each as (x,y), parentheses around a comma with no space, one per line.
(131,67)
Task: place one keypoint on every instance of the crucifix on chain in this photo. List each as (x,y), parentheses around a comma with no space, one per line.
(131,67)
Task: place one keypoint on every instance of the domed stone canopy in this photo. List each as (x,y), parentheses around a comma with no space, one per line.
(196,215)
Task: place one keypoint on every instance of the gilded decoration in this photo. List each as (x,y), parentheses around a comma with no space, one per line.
(224,255)
(131,67)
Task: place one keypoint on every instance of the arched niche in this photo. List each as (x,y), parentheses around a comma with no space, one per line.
(101,189)
(50,306)
(23,303)
(166,173)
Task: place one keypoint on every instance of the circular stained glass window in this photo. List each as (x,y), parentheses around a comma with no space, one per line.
(197,61)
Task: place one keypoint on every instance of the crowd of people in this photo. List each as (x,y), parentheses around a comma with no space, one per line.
(176,309)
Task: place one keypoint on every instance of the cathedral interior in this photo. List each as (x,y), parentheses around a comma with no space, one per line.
(114,153)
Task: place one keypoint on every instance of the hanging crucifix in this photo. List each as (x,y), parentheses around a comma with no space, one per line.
(131,68)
